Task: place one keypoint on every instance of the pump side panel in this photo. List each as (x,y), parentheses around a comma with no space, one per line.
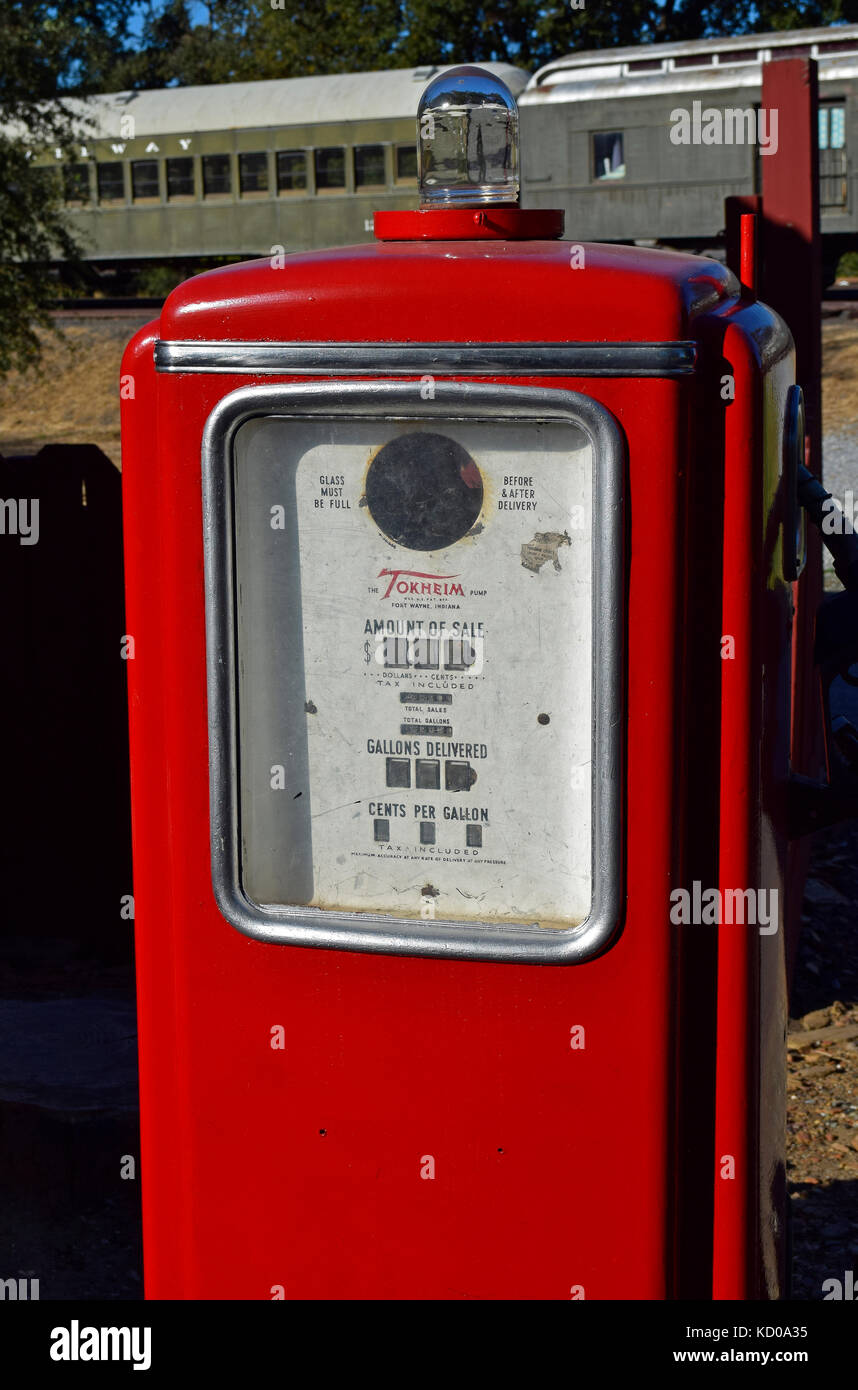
(749,1160)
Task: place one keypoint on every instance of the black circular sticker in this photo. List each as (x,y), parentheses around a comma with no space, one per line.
(424,491)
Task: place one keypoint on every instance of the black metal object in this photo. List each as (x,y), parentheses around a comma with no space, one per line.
(814,804)
(836,531)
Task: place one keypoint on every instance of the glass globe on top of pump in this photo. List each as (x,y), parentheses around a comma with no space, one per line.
(467,141)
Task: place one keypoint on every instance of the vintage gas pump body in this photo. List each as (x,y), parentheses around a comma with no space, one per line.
(417,1016)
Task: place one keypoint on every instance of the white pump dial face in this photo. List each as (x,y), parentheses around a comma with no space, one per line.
(414,666)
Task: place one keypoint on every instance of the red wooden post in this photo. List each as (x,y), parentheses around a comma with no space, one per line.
(792,284)
(792,275)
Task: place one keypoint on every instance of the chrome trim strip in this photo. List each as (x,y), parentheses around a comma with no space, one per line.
(408,359)
(377,932)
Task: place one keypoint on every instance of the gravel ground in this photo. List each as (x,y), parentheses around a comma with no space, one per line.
(822,1125)
(69,1143)
(840,414)
(840,460)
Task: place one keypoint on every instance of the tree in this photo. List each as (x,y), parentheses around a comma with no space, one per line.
(327,37)
(530,32)
(804,14)
(32,234)
(48,52)
(250,39)
(174,50)
(525,32)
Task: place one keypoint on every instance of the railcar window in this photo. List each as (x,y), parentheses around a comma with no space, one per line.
(330,169)
(645,65)
(369,166)
(76,183)
(833,180)
(253,173)
(832,127)
(144,180)
(406,163)
(608,157)
(180,177)
(693,60)
(216,176)
(291,171)
(110,179)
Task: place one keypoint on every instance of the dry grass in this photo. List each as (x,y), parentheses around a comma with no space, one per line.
(74,398)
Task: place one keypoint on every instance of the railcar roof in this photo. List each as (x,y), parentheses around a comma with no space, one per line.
(354,96)
(782,38)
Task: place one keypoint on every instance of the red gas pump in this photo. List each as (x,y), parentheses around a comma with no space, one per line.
(458,572)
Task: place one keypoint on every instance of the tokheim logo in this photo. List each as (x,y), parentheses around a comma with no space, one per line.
(413,582)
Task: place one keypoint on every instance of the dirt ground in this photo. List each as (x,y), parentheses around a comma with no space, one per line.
(840,374)
(75,400)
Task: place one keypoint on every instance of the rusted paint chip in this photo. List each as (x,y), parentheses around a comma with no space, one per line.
(543,547)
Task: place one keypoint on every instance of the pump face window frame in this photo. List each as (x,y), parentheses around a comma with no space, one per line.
(318,411)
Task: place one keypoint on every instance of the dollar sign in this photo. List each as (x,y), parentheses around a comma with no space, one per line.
(367,651)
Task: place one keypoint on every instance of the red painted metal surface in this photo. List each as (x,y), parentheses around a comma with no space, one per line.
(755,721)
(556,1169)
(497,222)
(736,206)
(748,253)
(735,1096)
